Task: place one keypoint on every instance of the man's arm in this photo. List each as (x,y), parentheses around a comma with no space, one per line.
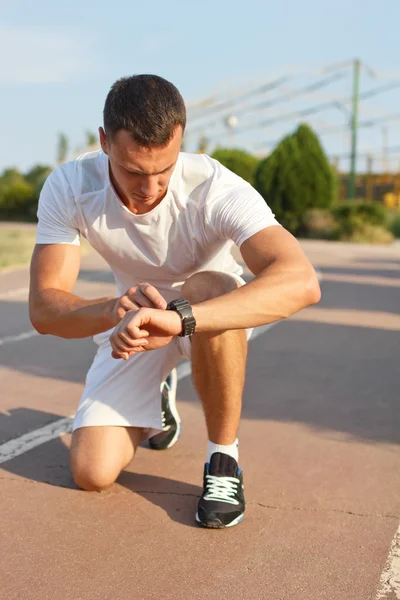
(284,283)
(52,307)
(54,310)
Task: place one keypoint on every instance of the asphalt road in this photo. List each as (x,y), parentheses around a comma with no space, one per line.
(319,445)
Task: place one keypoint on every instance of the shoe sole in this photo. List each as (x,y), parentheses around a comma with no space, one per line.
(174,410)
(172,405)
(213,525)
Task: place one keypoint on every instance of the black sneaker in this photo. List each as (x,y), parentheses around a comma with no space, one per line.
(222,502)
(171,422)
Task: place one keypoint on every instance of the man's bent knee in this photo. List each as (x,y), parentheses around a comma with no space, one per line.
(92,477)
(208,284)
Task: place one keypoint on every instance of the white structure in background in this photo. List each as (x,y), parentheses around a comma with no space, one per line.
(231,122)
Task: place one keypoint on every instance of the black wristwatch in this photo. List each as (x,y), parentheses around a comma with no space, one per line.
(183,308)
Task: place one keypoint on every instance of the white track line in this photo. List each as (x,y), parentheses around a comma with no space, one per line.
(19,337)
(14,293)
(35,438)
(389,585)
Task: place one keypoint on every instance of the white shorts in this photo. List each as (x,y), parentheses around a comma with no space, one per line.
(127,393)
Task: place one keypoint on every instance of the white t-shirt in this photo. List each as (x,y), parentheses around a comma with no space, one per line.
(206,210)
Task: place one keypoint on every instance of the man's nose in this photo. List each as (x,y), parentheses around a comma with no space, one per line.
(149,186)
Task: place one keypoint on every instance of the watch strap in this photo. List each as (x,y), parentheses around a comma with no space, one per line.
(183,308)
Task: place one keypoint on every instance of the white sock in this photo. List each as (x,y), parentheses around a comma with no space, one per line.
(231,449)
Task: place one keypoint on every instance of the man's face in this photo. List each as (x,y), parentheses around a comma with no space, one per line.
(140,175)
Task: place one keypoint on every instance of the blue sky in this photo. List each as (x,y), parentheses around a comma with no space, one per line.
(60,59)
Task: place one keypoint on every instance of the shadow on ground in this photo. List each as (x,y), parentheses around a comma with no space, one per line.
(46,356)
(49,464)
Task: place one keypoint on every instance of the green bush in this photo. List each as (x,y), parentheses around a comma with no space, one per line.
(368,212)
(358,222)
(320,224)
(362,222)
(240,162)
(394,225)
(37,176)
(295,178)
(18,201)
(365,233)
(19,194)
(10,176)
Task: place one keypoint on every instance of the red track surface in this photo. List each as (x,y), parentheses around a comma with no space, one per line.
(319,447)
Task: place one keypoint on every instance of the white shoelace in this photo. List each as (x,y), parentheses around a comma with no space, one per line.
(221,488)
(164,427)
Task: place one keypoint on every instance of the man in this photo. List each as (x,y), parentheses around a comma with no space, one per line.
(165,222)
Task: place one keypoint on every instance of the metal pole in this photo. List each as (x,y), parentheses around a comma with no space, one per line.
(354,124)
(385,153)
(369,193)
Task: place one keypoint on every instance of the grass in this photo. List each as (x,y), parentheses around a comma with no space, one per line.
(16,246)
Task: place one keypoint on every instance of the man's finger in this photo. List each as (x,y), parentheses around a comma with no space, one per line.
(121,346)
(128,339)
(125,355)
(154,295)
(137,350)
(117,355)
(128,303)
(143,300)
(133,331)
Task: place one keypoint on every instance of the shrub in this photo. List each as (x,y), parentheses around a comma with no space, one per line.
(19,194)
(368,212)
(295,178)
(37,176)
(362,222)
(365,233)
(394,225)
(18,201)
(320,223)
(240,162)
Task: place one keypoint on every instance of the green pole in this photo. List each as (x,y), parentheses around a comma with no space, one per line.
(354,124)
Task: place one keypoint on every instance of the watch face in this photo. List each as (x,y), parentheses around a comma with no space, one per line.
(182,303)
(177,304)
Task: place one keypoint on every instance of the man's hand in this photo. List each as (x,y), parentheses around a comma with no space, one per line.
(143,330)
(142,295)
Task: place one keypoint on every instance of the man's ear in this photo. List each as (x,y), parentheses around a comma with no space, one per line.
(103,140)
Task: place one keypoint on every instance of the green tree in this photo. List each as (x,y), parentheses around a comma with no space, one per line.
(37,175)
(62,148)
(296,177)
(240,162)
(19,194)
(18,201)
(10,177)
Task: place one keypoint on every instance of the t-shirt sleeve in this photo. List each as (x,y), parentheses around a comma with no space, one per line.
(57,212)
(236,211)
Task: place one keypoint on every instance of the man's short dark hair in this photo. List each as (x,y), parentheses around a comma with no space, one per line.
(148,106)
